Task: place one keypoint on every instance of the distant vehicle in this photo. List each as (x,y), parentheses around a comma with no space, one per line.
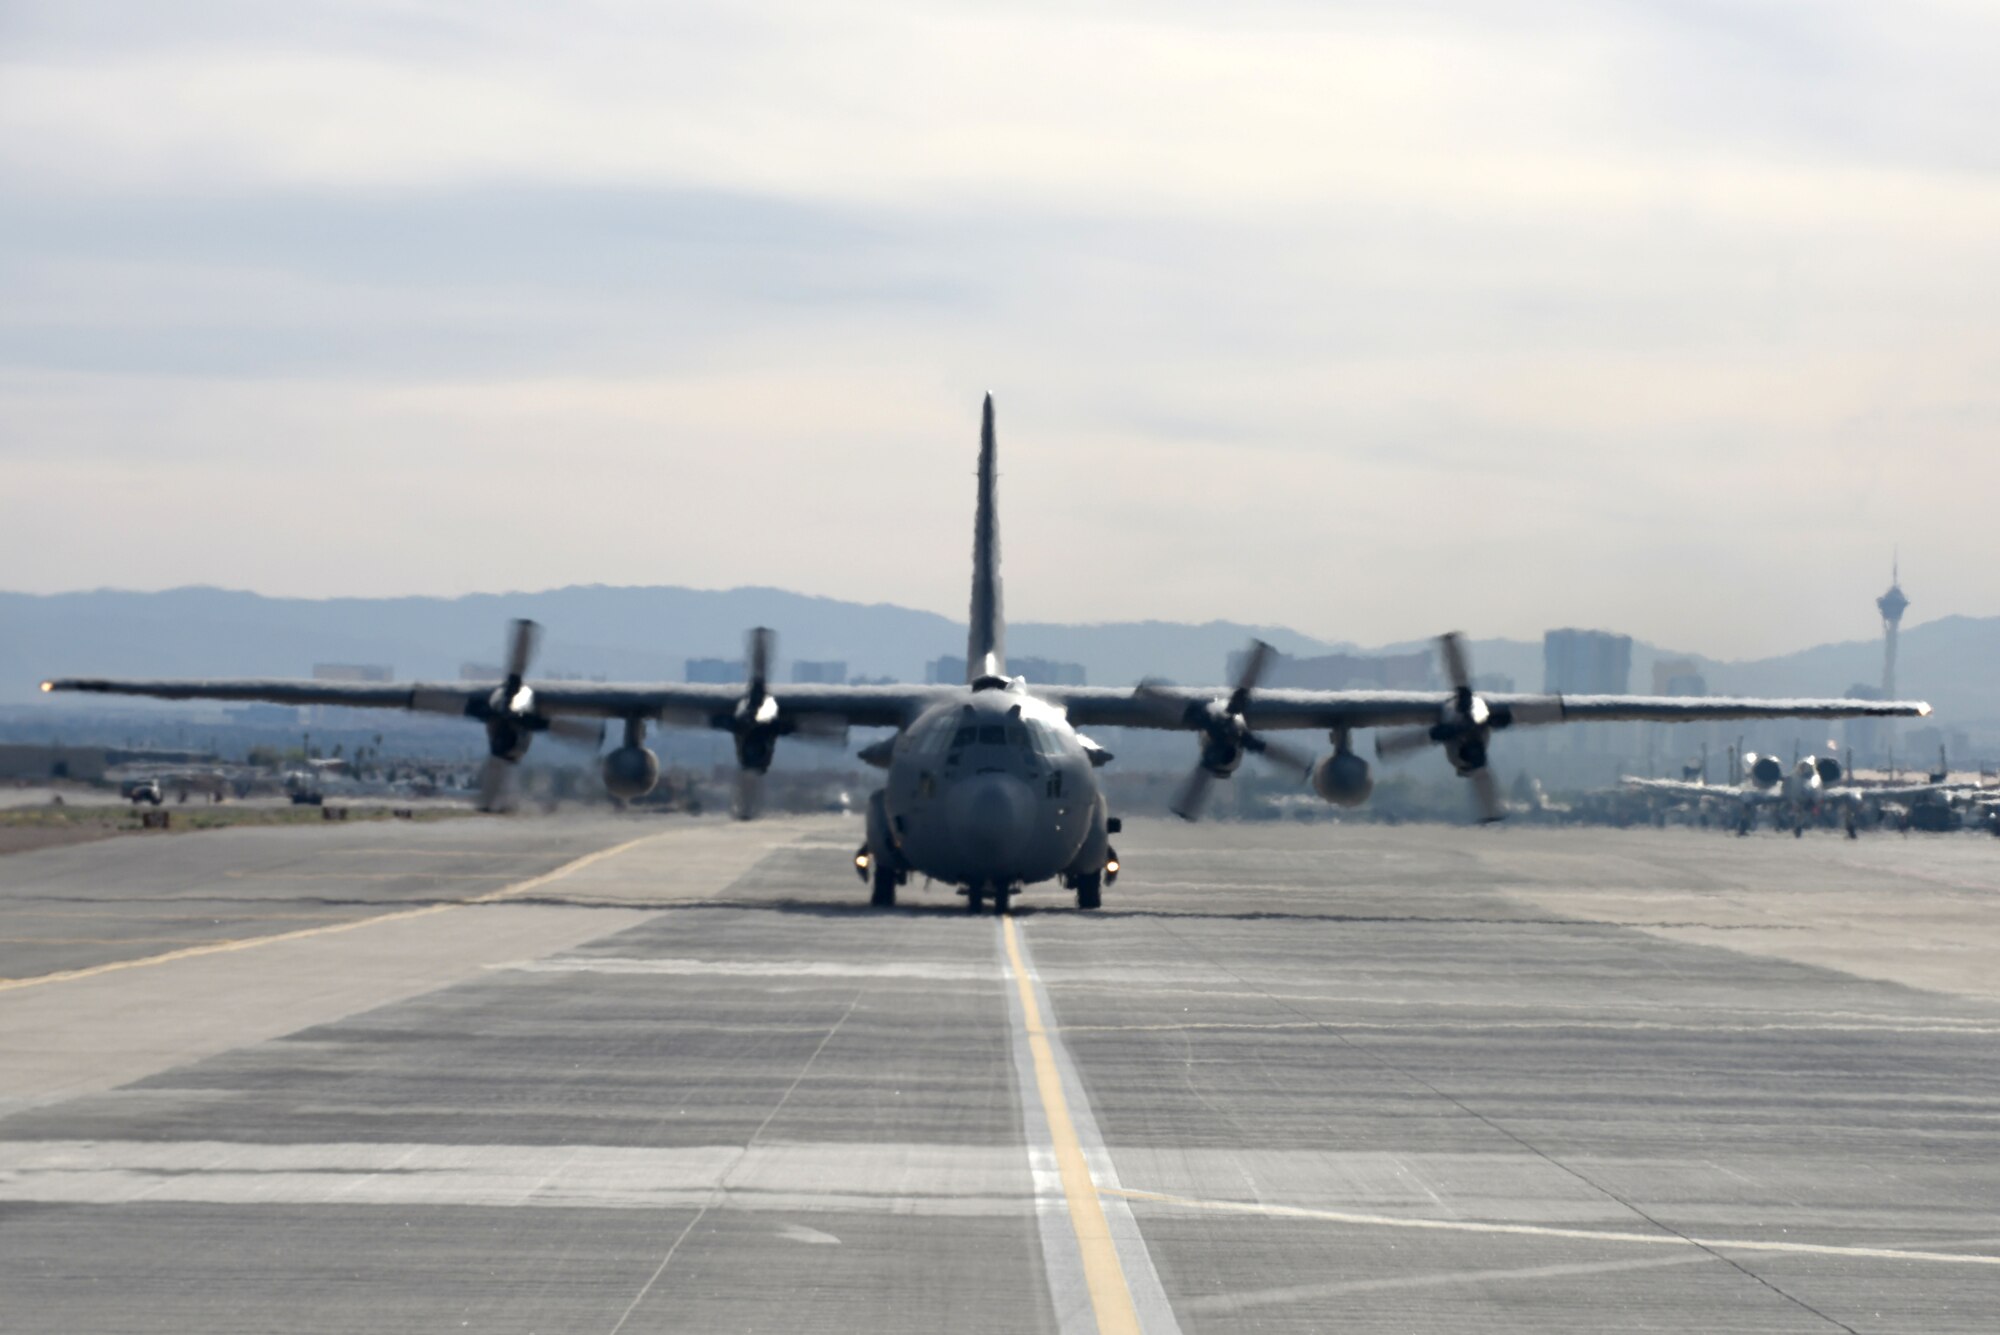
(136,791)
(303,789)
(991,785)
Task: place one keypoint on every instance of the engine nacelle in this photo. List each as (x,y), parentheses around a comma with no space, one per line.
(1829,769)
(1343,779)
(631,771)
(505,739)
(1765,770)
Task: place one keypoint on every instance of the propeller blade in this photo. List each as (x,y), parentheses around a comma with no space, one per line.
(523,639)
(1282,754)
(1193,795)
(1250,673)
(1487,791)
(495,781)
(1452,649)
(758,647)
(577,732)
(1402,741)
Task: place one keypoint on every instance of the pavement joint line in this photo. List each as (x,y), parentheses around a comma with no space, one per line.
(1549,1231)
(328,929)
(1110,1295)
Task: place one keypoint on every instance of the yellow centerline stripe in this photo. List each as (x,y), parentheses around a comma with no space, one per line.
(245,943)
(1110,1296)
(1550,1231)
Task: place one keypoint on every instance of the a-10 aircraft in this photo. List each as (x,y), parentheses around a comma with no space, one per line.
(991,786)
(1795,797)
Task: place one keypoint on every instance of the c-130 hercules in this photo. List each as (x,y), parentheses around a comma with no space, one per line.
(990,786)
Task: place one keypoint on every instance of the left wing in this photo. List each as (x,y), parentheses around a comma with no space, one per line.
(1334,710)
(697,705)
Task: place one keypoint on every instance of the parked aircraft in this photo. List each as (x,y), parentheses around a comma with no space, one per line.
(991,786)
(1795,797)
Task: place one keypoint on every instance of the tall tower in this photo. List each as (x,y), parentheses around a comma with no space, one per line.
(1891,605)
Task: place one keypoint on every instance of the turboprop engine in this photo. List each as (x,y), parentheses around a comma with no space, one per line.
(1343,778)
(631,770)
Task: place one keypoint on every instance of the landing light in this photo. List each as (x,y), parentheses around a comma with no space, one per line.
(48,686)
(1112,866)
(861,861)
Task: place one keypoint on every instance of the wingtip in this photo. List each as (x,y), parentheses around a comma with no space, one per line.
(48,686)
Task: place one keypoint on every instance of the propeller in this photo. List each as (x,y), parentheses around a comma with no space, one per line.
(510,716)
(1226,735)
(1465,725)
(757,723)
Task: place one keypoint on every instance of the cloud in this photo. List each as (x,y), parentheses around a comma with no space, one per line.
(1362,318)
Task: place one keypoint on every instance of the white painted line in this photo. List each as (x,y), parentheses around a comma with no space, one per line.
(1297,1293)
(919,970)
(1547,1231)
(788,1178)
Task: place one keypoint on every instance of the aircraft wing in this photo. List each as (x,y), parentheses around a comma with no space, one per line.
(1902,792)
(1697,791)
(1678,787)
(1271,709)
(683,705)
(356,695)
(696,705)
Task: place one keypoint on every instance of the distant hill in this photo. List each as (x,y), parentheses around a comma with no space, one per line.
(649,633)
(623,634)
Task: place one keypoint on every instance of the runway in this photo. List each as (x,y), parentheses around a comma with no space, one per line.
(619,1075)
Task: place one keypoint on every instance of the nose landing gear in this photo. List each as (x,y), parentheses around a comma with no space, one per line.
(977,895)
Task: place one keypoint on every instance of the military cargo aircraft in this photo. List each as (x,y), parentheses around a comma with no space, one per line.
(991,786)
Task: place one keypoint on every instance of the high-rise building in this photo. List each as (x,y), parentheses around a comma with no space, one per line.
(1586,662)
(1048,671)
(716,671)
(824,672)
(1678,676)
(1891,605)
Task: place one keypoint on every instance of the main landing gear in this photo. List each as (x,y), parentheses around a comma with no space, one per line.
(881,878)
(1089,885)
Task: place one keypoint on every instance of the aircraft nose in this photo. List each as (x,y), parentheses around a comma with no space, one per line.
(992,818)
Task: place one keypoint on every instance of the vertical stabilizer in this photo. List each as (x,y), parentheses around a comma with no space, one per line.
(985,652)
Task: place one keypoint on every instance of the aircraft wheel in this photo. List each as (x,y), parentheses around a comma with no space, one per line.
(974,901)
(1001,902)
(1090,891)
(1799,830)
(883,892)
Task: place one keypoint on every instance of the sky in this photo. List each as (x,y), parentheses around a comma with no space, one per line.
(1368,319)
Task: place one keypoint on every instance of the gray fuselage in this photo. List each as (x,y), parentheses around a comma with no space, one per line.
(992,789)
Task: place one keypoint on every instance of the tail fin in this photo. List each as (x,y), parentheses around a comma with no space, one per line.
(985,651)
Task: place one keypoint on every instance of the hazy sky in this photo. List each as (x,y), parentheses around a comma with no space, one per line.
(1372,319)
